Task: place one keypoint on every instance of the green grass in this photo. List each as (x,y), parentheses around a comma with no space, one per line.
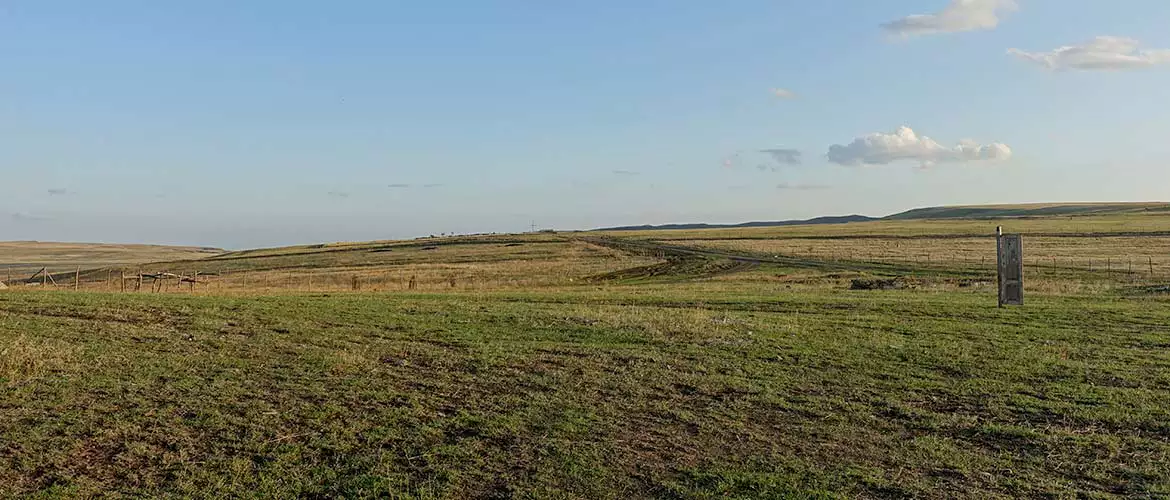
(576,366)
(672,390)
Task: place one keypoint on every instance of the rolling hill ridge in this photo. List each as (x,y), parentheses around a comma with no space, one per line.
(942,212)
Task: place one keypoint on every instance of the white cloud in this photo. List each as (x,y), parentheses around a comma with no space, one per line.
(960,15)
(906,145)
(783,93)
(1100,53)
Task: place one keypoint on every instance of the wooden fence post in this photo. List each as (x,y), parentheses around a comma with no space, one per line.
(123,275)
(77,279)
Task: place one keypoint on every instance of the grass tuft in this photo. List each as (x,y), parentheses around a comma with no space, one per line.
(25,358)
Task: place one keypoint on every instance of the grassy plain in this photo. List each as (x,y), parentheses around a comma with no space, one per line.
(1108,252)
(19,259)
(577,366)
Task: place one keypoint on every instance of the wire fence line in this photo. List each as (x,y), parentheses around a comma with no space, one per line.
(1128,266)
(1105,263)
(271,281)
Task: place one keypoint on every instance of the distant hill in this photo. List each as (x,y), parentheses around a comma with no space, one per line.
(1027,210)
(22,258)
(819,220)
(950,212)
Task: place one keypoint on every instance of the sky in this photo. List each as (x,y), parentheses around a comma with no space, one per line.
(271,122)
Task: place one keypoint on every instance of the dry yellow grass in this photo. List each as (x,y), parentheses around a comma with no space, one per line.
(1080,252)
(352,360)
(1123,243)
(528,262)
(24,358)
(18,259)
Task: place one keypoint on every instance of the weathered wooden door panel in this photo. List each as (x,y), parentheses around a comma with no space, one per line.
(1011,269)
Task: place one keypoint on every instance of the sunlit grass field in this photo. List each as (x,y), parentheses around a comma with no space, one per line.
(1141,222)
(576,366)
(19,259)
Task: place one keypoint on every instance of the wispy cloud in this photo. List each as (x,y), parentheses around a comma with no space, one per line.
(906,145)
(338,194)
(783,93)
(59,192)
(431,185)
(958,16)
(29,217)
(784,156)
(731,161)
(1103,53)
(801,187)
(625,172)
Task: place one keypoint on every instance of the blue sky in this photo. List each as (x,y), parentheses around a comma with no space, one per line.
(241,124)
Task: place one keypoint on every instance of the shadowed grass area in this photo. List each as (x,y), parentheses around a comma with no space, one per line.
(688,390)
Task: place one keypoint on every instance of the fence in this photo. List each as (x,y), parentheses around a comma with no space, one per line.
(1114,259)
(111,280)
(1133,268)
